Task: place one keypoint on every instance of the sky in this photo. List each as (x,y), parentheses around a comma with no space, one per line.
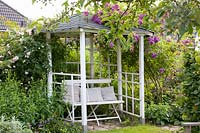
(37,10)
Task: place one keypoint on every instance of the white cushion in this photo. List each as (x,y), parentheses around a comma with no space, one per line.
(108,94)
(94,95)
(68,93)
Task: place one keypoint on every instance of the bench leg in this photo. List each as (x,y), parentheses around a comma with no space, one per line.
(116,113)
(71,114)
(187,129)
(93,111)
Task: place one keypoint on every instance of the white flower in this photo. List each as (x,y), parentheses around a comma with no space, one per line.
(14,59)
(29,31)
(28,54)
(8,45)
(21,40)
(9,53)
(26,73)
(21,33)
(8,66)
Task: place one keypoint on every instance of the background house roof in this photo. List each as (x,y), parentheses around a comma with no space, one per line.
(8,13)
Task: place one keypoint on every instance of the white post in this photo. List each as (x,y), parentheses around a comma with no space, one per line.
(119,70)
(83,81)
(141,78)
(91,58)
(50,78)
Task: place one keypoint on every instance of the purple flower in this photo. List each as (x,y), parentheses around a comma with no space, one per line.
(185,42)
(151,40)
(96,19)
(153,55)
(107,4)
(141,16)
(100,12)
(156,39)
(85,13)
(111,44)
(161,70)
(115,7)
(140,21)
(136,37)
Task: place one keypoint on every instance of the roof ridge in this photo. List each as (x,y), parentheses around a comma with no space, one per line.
(13,9)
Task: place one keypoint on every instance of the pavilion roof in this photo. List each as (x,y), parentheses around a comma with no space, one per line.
(78,21)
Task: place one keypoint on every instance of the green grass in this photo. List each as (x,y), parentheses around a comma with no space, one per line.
(135,129)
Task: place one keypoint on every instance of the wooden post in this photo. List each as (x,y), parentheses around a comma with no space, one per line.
(141,78)
(83,80)
(50,77)
(119,70)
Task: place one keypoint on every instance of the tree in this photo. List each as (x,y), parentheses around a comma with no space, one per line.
(179,16)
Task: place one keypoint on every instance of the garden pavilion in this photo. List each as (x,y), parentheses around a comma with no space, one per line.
(83,27)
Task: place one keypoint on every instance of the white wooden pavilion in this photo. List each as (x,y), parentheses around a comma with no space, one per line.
(81,26)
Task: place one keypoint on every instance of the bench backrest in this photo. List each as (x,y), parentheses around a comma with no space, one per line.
(94,94)
(89,81)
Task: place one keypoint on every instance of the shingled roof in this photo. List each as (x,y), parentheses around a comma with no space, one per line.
(78,21)
(8,13)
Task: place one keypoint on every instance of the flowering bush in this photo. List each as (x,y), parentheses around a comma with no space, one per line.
(25,55)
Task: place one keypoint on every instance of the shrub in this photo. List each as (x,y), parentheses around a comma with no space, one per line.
(163,114)
(33,107)
(25,55)
(58,125)
(158,113)
(191,89)
(12,126)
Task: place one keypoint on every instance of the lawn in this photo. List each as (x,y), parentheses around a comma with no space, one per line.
(136,129)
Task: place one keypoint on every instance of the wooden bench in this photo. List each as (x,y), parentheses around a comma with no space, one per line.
(189,125)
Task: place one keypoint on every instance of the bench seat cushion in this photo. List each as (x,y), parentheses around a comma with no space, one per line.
(94,95)
(68,93)
(108,93)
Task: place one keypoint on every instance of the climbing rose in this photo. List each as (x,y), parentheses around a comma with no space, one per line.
(111,44)
(161,70)
(156,39)
(185,42)
(136,37)
(85,13)
(153,55)
(100,12)
(107,4)
(141,16)
(140,19)
(152,40)
(96,19)
(115,7)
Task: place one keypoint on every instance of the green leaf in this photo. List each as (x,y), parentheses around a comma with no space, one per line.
(160,13)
